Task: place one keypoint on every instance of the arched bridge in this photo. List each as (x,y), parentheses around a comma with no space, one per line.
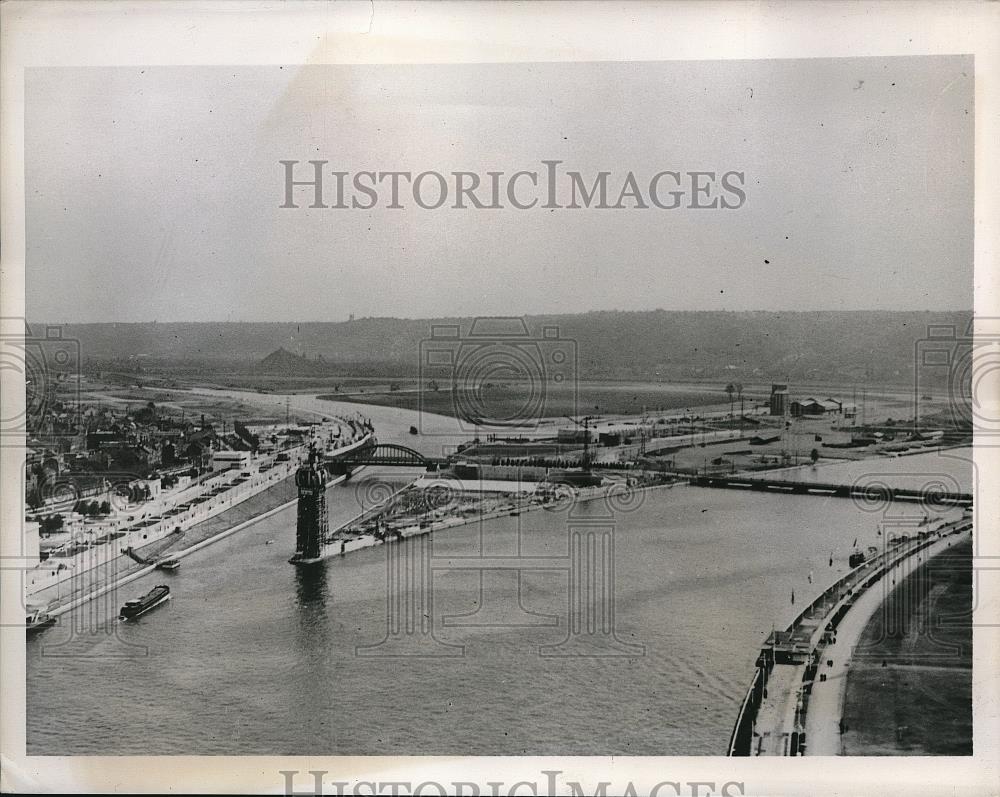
(385,454)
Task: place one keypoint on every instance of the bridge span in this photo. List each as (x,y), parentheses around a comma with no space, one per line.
(373,452)
(868,491)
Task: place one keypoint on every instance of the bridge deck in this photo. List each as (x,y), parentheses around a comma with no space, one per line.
(375,453)
(857,490)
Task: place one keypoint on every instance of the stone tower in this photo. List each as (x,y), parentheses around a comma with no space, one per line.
(313,522)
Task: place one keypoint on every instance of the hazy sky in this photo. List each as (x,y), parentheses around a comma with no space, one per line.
(153,193)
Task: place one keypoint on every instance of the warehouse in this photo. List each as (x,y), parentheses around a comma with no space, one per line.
(811,406)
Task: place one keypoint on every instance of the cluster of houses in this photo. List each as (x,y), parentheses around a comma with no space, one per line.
(145,443)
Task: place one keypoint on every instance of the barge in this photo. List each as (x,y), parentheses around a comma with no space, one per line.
(139,606)
(37,619)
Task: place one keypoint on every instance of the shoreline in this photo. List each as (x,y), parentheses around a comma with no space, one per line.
(52,572)
(779,711)
(907,643)
(827,695)
(193,548)
(370,541)
(183,513)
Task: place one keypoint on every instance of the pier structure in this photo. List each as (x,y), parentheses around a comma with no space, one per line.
(797,686)
(873,492)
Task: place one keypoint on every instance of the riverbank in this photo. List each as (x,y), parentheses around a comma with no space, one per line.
(909,686)
(100,581)
(793,704)
(108,576)
(617,495)
(826,696)
(96,549)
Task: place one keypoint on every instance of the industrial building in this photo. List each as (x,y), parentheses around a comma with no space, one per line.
(222,460)
(779,399)
(811,406)
(577,436)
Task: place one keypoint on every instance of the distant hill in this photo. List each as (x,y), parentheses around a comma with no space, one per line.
(872,346)
(285,363)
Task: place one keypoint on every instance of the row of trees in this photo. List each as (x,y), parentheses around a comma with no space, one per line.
(135,493)
(92,508)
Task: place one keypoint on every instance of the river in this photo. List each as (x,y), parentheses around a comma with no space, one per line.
(255,656)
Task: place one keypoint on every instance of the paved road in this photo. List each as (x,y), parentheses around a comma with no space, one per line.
(826,703)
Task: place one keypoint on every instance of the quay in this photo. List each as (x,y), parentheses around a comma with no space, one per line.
(116,582)
(95,565)
(794,702)
(879,492)
(468,501)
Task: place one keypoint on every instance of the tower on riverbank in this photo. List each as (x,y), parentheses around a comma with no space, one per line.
(313,522)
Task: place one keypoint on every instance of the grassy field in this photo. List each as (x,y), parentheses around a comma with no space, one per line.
(174,402)
(909,691)
(499,400)
(509,400)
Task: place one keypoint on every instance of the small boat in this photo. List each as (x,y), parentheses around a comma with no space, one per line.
(37,619)
(139,606)
(169,564)
(269,542)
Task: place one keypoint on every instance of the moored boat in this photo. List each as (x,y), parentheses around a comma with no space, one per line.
(169,564)
(138,606)
(37,619)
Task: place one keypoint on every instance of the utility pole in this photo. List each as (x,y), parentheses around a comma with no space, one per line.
(585,461)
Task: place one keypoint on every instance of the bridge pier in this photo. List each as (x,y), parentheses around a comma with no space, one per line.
(312,521)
